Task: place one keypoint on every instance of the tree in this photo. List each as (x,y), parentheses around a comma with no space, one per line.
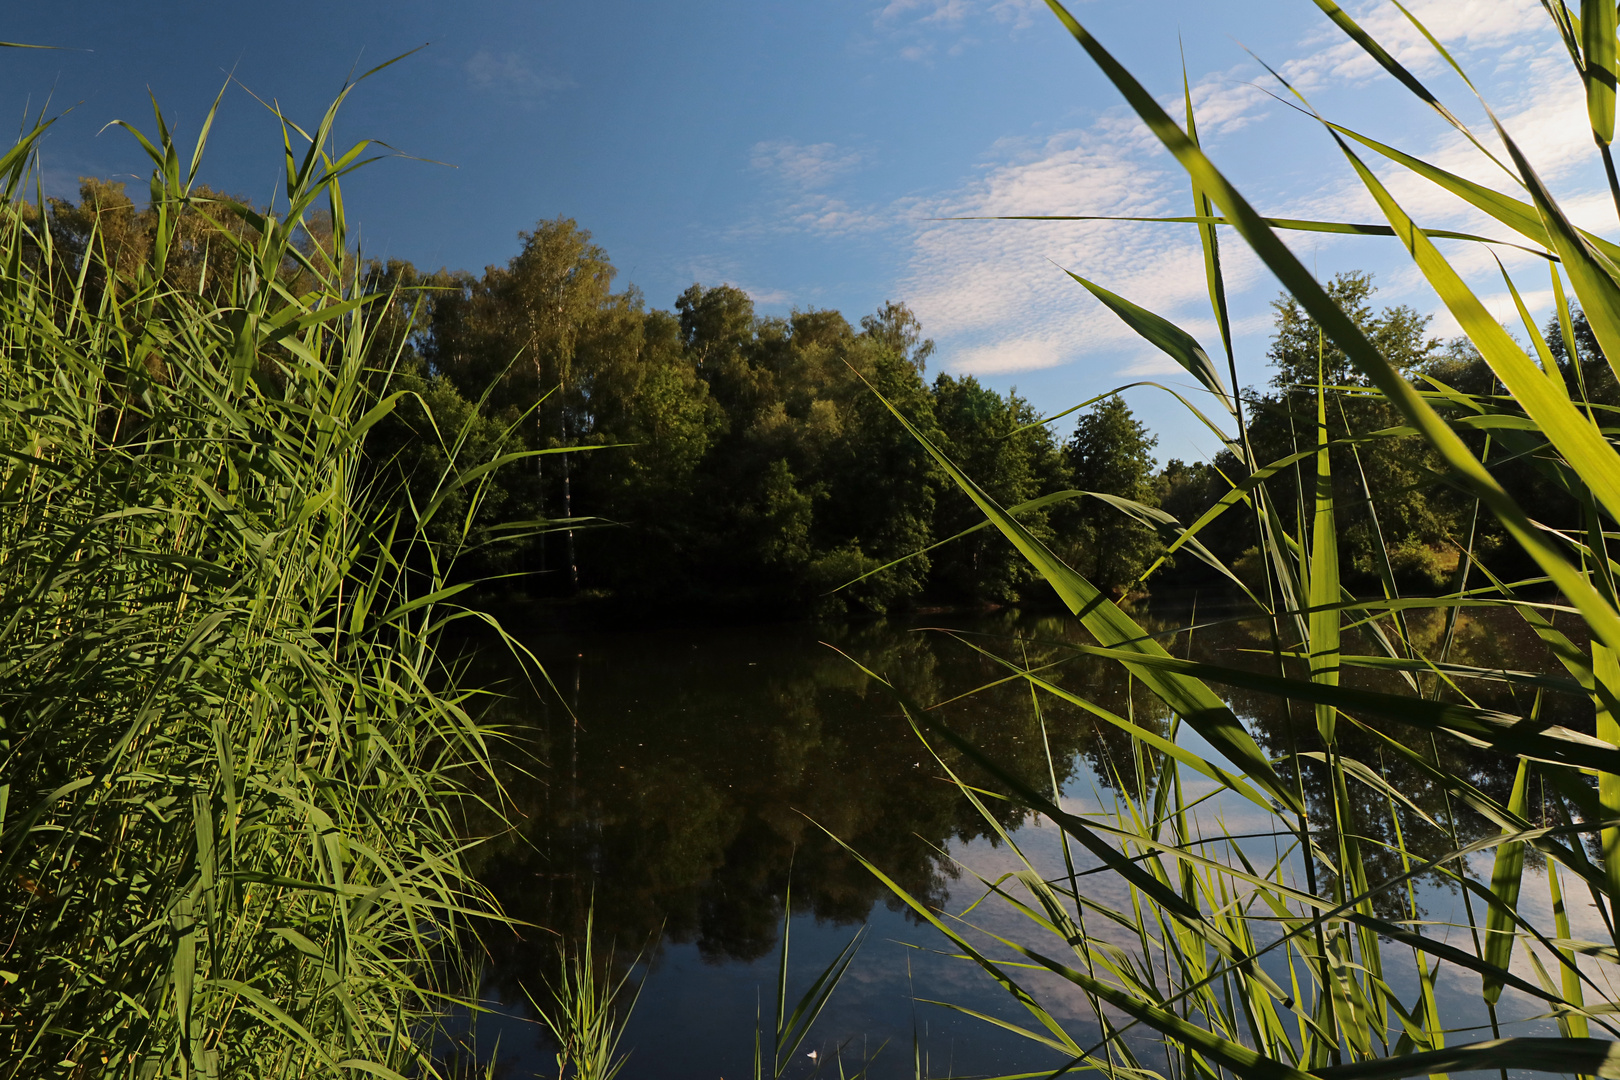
(895,327)
(195,260)
(977,427)
(1385,492)
(1111,453)
(1398,333)
(523,326)
(1589,374)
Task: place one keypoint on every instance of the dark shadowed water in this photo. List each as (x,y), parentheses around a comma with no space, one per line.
(682,778)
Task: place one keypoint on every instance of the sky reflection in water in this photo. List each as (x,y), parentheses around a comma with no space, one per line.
(706,763)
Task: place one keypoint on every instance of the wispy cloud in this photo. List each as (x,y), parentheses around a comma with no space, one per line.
(803,166)
(714,269)
(994,293)
(512,76)
(994,297)
(1463,25)
(798,171)
(925,28)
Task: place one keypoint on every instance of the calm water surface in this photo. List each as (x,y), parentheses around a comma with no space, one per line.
(684,777)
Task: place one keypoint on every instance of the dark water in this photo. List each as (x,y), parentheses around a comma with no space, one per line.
(683,779)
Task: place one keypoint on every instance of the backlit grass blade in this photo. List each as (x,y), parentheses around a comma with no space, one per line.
(1575,1026)
(1516,214)
(1591,274)
(1324,572)
(1549,364)
(1542,394)
(1589,1057)
(1170,339)
(1598,66)
(1507,732)
(1606,673)
(1209,242)
(1341,228)
(1370,45)
(1506,875)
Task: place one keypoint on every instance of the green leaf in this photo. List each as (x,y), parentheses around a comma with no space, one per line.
(1589,1057)
(1324,586)
(1173,341)
(1505,878)
(1464,467)
(1517,215)
(1598,48)
(1506,732)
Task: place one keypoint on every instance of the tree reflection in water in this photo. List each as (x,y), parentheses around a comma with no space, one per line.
(705,763)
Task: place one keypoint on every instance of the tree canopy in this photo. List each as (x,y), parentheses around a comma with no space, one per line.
(718,458)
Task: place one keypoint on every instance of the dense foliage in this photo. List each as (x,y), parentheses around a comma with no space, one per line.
(737,461)
(744,463)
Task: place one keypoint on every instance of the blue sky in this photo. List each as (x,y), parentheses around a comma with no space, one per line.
(805,151)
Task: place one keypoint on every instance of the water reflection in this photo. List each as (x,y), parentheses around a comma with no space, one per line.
(704,764)
(679,776)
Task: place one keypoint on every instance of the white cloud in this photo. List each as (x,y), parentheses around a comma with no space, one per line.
(765,297)
(819,213)
(511,75)
(990,294)
(1462,25)
(801,170)
(994,293)
(923,11)
(923,28)
(803,166)
(712,272)
(1006,357)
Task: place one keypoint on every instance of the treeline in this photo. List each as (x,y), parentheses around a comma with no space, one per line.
(1400,517)
(720,459)
(732,460)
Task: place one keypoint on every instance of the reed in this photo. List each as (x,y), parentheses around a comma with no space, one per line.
(1299,947)
(587,1010)
(232,763)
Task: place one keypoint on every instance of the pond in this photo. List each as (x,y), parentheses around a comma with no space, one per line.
(680,780)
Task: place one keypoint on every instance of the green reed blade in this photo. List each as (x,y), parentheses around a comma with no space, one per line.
(1597,32)
(1604,621)
(1170,339)
(1590,1057)
(1506,875)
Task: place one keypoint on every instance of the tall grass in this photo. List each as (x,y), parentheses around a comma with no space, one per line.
(230,758)
(588,1010)
(1272,950)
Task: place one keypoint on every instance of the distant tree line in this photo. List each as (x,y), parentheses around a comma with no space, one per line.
(728,460)
(1398,518)
(731,460)
(748,463)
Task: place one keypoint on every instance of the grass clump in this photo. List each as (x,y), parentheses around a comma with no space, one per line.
(588,1009)
(230,757)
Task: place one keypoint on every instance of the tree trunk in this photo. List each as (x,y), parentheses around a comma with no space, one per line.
(568,510)
(540,489)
